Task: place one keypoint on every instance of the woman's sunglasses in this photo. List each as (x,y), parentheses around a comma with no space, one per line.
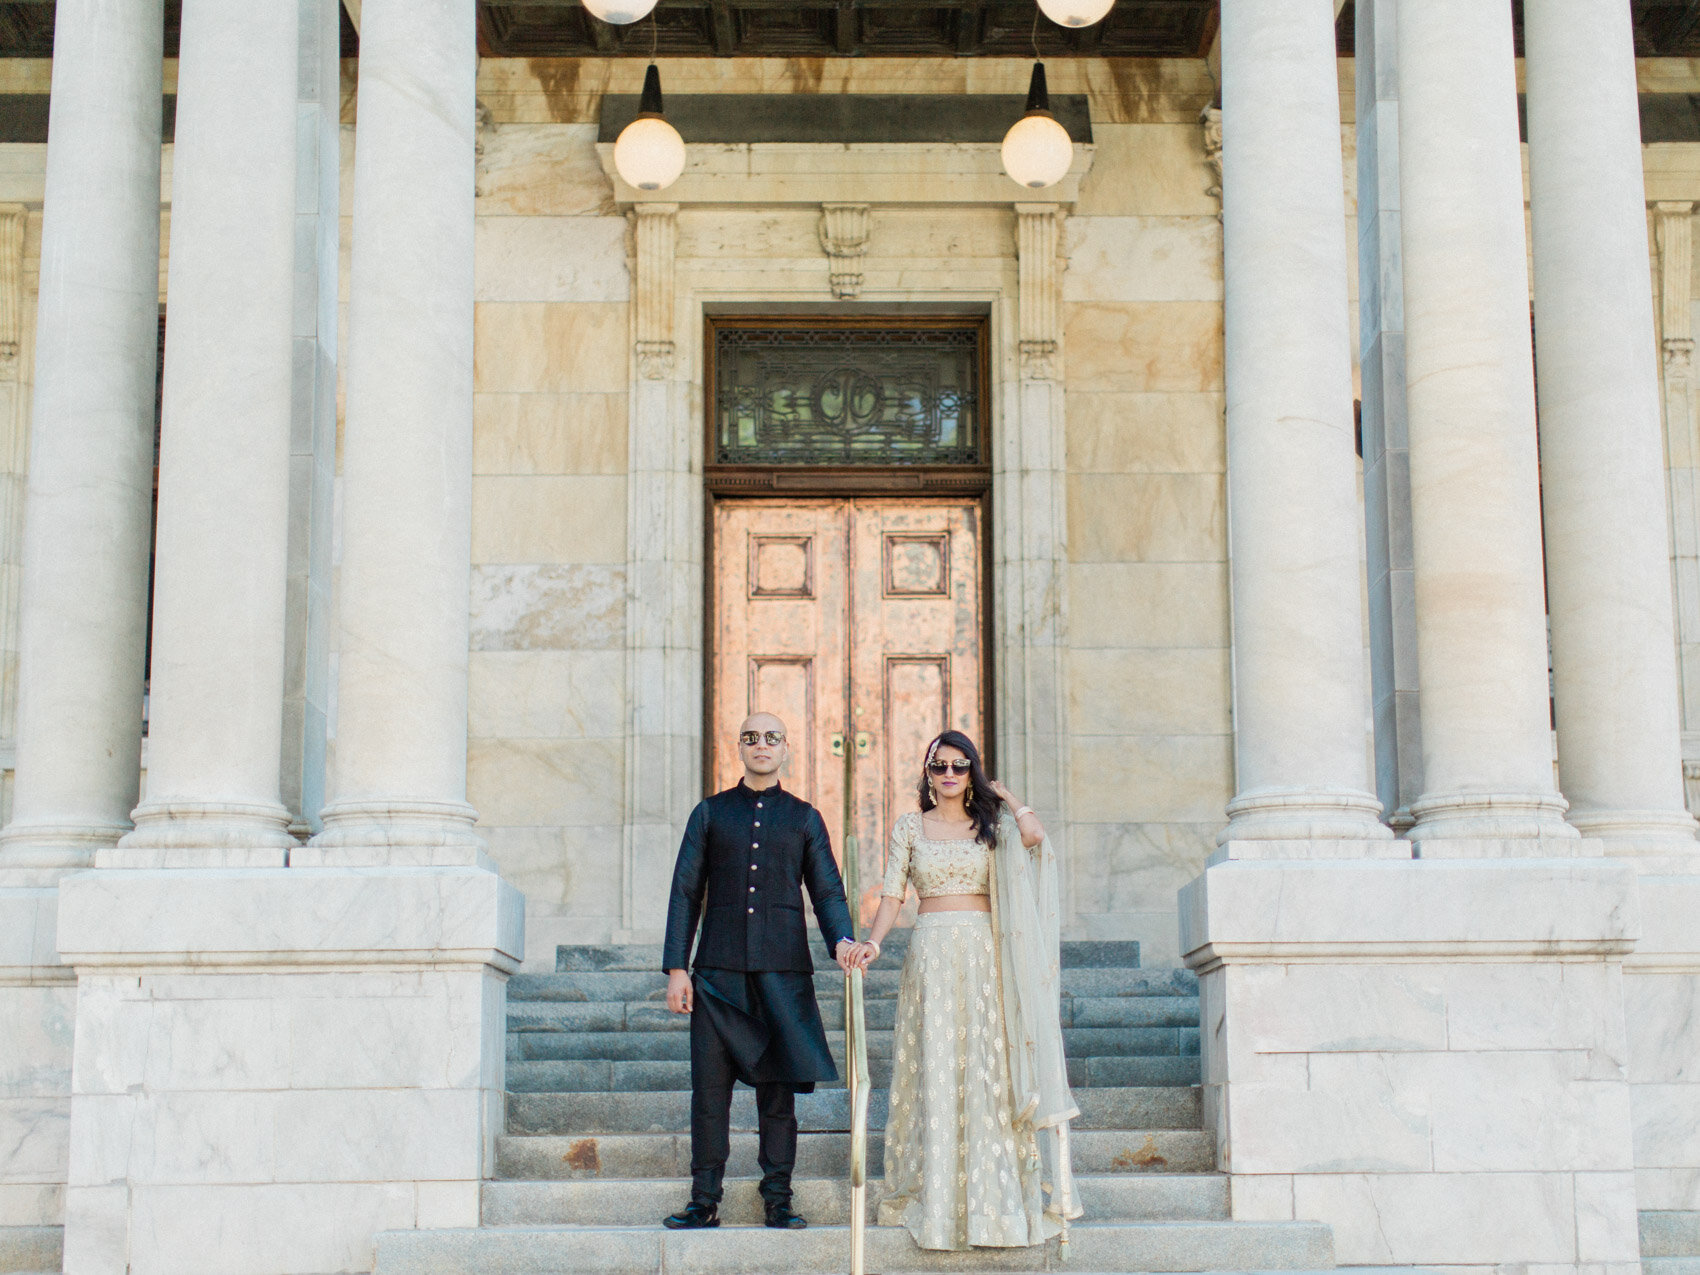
(960,766)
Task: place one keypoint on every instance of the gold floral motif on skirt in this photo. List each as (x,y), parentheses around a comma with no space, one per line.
(957,1173)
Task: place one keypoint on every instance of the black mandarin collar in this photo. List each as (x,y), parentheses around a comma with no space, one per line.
(753,795)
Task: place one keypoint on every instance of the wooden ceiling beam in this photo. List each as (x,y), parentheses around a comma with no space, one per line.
(844,28)
(724,28)
(1682,28)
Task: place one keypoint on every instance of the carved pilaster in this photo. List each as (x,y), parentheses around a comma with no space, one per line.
(1037,237)
(655,230)
(1673,233)
(1210,121)
(1673,224)
(13,218)
(844,235)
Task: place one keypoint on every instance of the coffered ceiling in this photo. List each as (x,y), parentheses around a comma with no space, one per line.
(848,28)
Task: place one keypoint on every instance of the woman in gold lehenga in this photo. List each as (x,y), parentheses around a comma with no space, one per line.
(976,1145)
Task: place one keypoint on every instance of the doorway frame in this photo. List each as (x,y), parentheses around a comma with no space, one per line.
(689,263)
(778,483)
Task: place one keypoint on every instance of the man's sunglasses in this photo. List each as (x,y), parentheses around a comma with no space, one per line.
(750,738)
(960,766)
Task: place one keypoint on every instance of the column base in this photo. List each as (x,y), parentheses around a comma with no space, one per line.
(203,834)
(38,1003)
(1304,814)
(41,853)
(1490,816)
(1665,836)
(338,1069)
(396,833)
(1386,1045)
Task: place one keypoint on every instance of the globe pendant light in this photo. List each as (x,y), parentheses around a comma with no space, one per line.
(1075,13)
(624,12)
(1037,151)
(649,153)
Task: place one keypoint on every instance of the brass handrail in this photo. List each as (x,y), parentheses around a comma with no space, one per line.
(856,1060)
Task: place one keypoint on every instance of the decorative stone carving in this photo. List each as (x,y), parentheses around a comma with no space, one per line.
(1673,226)
(1210,121)
(654,236)
(1037,234)
(844,235)
(12,218)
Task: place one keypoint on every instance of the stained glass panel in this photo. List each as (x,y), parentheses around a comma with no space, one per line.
(847,396)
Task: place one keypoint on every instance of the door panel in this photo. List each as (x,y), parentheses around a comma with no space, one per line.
(847,616)
(780,631)
(916,627)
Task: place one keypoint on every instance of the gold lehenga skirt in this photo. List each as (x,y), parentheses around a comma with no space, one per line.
(957,1172)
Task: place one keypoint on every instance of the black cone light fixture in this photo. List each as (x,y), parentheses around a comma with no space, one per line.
(649,153)
(1037,151)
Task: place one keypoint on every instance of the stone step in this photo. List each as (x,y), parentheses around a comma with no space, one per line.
(1670,1266)
(819,1155)
(590,1075)
(1168,1197)
(669,1111)
(28,1250)
(1076,954)
(755,1250)
(654,1016)
(1670,1233)
(636,985)
(642,1046)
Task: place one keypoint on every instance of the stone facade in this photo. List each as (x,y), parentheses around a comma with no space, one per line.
(1470,1046)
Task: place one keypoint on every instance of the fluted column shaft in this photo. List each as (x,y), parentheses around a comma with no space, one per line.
(215,727)
(400,768)
(1602,453)
(1475,502)
(85,555)
(1300,699)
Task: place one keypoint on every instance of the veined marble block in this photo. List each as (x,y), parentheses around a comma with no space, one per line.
(1430,1055)
(273,1066)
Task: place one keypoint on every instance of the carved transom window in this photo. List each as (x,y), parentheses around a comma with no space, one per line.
(847,395)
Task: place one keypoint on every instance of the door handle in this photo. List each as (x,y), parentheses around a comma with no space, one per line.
(836,739)
(864,743)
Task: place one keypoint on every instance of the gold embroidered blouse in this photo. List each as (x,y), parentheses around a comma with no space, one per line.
(960,865)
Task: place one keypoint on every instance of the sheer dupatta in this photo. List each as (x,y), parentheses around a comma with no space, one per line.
(1027,927)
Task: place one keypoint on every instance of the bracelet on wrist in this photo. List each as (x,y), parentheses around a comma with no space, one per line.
(1024,810)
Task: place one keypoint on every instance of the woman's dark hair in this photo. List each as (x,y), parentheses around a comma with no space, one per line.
(982,803)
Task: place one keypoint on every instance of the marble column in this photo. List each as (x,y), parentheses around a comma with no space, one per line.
(215,724)
(1475,497)
(1601,445)
(85,556)
(1300,703)
(400,734)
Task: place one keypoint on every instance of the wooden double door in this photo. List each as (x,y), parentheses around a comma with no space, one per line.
(860,622)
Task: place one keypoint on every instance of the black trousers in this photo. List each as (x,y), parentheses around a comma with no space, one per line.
(714,1071)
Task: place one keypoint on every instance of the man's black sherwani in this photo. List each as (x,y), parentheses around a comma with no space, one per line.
(745,859)
(742,863)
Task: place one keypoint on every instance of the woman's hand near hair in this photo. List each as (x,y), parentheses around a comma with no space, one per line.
(1032,831)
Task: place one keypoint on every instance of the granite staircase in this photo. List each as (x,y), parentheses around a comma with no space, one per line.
(597,1148)
(1670,1242)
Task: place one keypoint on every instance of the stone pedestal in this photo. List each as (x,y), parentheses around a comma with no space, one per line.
(274,1065)
(38,997)
(1429,1056)
(1661,1006)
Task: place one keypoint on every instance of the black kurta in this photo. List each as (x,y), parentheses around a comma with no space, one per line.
(745,858)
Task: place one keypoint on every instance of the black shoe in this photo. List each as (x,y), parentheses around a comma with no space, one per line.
(781,1218)
(694,1216)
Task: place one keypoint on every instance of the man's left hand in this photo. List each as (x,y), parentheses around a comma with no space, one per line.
(846,955)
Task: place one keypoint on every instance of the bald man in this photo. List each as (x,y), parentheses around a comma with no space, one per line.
(746,857)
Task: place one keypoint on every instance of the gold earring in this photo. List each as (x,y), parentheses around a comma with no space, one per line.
(932,793)
(968,793)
